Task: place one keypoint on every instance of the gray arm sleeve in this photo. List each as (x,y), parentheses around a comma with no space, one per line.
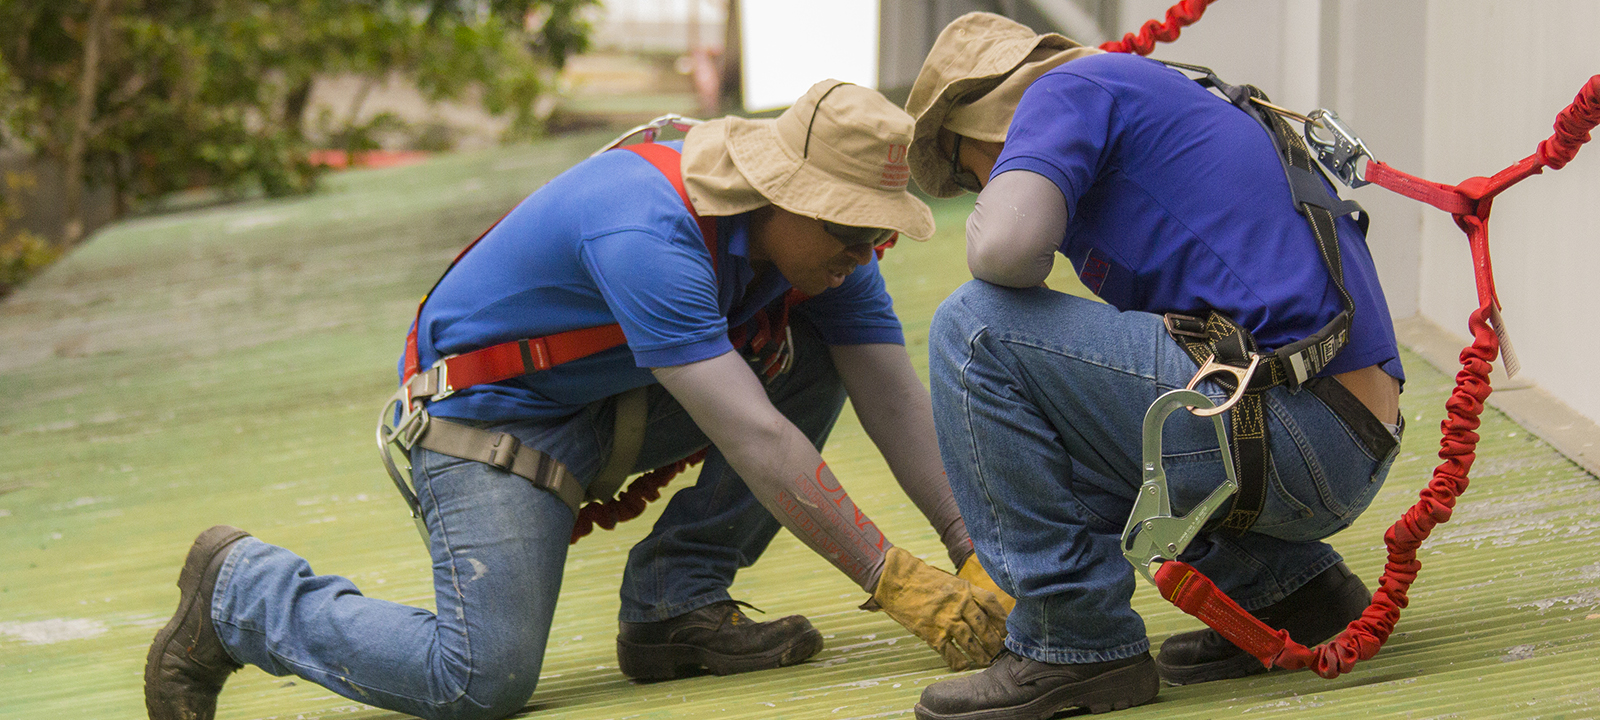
(1015,228)
(897,414)
(778,463)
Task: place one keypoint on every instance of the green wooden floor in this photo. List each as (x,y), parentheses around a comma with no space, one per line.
(225,366)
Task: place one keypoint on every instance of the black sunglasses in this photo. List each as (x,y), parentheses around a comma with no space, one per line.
(962,177)
(851,235)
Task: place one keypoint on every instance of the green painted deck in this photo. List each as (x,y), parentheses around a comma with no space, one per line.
(226,365)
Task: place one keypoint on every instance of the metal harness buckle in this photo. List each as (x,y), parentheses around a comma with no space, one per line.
(1240,375)
(1152,534)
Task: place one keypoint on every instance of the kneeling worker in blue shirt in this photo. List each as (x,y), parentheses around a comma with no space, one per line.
(788,206)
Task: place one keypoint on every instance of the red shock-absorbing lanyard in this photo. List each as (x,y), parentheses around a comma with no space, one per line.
(1469,203)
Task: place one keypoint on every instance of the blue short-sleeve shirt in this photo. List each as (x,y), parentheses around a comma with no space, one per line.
(610,241)
(1178,203)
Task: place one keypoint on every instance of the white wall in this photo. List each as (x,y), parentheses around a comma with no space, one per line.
(1498,71)
(1444,89)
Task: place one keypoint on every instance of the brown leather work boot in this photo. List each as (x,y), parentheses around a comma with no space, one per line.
(187,664)
(717,637)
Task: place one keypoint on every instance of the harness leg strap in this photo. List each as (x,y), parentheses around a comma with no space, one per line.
(504,451)
(626,441)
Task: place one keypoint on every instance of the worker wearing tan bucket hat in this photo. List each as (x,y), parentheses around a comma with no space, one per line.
(640,308)
(1168,200)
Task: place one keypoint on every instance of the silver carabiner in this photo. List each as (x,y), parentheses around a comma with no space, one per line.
(1341,154)
(651,129)
(1152,534)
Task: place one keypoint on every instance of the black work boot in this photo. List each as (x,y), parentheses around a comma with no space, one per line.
(1017,688)
(187,664)
(717,637)
(1312,614)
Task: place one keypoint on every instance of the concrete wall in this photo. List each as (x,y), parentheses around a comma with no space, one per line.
(1498,71)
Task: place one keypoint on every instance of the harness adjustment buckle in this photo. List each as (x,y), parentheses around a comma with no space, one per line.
(1342,152)
(504,451)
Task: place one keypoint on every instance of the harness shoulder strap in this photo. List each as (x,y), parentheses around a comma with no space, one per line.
(521,357)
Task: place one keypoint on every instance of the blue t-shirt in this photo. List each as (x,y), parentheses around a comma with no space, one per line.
(1178,203)
(610,241)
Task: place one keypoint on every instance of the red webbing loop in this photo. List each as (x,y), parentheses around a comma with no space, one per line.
(1194,593)
(1179,17)
(1469,203)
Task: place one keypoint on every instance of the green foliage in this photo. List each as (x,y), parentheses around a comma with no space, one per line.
(22,253)
(214,92)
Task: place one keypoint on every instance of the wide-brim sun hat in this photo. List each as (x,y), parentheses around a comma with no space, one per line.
(838,154)
(971,83)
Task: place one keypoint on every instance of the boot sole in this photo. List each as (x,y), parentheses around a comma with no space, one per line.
(669,661)
(205,547)
(1099,694)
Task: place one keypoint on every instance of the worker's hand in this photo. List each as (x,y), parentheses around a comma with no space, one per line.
(965,624)
(974,573)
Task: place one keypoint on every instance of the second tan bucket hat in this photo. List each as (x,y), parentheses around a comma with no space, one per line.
(971,83)
(838,154)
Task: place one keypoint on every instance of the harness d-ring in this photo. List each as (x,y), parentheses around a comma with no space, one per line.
(1240,375)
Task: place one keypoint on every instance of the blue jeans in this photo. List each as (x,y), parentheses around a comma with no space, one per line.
(1039,398)
(498,546)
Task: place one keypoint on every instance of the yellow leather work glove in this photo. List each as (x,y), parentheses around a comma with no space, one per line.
(974,573)
(965,624)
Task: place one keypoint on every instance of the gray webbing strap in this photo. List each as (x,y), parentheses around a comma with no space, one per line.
(626,441)
(504,451)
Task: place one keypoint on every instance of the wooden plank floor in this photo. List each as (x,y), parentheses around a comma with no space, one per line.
(225,366)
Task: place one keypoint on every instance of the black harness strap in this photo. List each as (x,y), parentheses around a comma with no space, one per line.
(1220,337)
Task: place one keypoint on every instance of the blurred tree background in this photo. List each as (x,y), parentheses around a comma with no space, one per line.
(146,97)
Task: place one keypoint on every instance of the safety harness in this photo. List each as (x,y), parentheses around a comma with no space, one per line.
(1226,352)
(405,422)
(1154,537)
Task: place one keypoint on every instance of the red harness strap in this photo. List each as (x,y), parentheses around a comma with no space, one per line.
(1470,203)
(521,357)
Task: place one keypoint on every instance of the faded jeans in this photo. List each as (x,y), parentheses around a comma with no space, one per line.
(498,546)
(1039,398)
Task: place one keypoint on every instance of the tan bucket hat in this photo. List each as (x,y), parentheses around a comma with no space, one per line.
(838,154)
(971,83)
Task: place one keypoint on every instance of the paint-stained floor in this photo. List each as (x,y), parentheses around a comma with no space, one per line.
(225,366)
